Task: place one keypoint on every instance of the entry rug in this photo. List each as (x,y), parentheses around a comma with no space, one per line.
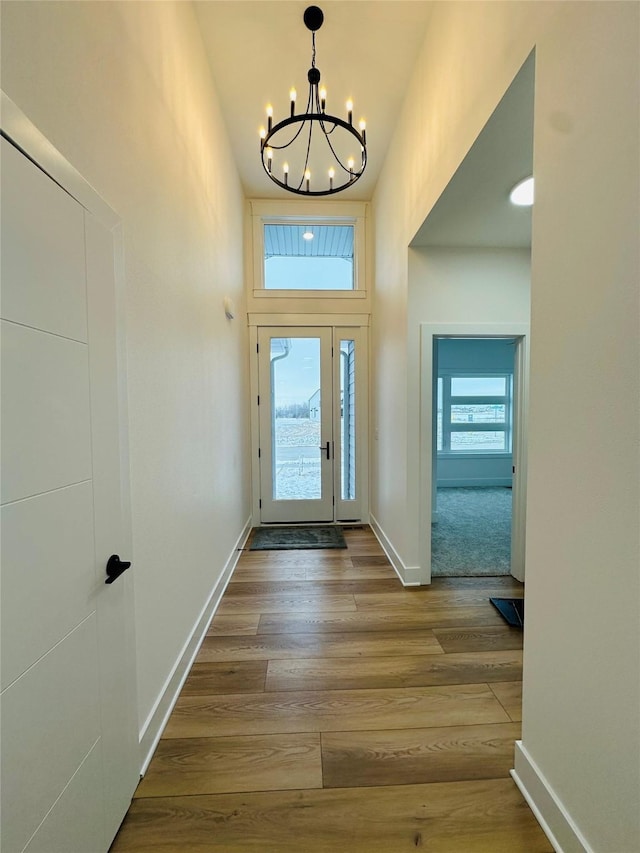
(294,538)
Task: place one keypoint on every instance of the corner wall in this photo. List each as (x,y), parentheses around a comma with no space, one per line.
(581,713)
(581,683)
(124,92)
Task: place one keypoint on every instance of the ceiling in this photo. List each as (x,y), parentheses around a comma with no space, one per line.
(474,210)
(328,241)
(257,51)
(366,50)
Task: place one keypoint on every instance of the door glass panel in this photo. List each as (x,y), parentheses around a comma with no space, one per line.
(295,414)
(348,419)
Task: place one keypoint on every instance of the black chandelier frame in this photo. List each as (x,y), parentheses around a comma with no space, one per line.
(315,115)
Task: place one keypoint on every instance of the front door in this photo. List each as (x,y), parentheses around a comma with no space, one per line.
(69,733)
(308,414)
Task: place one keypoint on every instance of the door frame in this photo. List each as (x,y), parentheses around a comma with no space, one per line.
(427,450)
(336,322)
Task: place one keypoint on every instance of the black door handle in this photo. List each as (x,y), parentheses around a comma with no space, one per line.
(326,449)
(115,567)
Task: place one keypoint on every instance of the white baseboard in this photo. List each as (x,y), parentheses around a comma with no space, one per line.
(157,720)
(474,483)
(549,811)
(409,575)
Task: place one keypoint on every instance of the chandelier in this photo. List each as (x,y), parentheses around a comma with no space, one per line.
(290,148)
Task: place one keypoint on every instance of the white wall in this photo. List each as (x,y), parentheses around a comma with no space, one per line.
(582,644)
(580,758)
(123,90)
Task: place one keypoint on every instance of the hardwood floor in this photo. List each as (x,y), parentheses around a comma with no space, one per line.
(331,710)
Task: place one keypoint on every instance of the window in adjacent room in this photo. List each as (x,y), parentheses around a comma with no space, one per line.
(474,413)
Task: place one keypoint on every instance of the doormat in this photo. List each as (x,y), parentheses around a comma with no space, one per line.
(511,609)
(294,538)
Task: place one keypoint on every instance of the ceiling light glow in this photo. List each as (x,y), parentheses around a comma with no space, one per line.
(522,194)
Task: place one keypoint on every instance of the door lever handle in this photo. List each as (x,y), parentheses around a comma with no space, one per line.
(326,448)
(115,567)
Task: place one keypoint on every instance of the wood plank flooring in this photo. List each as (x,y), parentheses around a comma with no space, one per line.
(331,710)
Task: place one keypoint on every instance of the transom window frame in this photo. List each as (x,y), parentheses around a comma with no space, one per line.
(449,400)
(309,214)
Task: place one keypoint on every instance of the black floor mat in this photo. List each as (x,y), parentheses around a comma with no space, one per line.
(511,609)
(294,538)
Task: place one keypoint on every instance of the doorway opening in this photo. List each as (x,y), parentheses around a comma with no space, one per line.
(474,436)
(508,428)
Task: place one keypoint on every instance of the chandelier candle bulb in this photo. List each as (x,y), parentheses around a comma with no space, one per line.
(350,111)
(332,173)
(363,130)
(269,158)
(269,118)
(285,170)
(350,164)
(292,97)
(307,177)
(323,99)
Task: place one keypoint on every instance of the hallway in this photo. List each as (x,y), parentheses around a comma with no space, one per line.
(329,709)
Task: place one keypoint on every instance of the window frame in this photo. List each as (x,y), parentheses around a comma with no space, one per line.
(306,214)
(449,400)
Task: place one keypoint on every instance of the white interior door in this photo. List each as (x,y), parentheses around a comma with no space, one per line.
(69,762)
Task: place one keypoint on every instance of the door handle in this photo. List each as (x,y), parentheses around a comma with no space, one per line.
(115,567)
(326,448)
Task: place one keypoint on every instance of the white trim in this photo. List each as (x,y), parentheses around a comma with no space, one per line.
(254,416)
(154,725)
(519,478)
(262,293)
(551,814)
(426,448)
(350,320)
(26,136)
(409,575)
(302,208)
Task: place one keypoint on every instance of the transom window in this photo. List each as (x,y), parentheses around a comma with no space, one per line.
(308,256)
(474,413)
